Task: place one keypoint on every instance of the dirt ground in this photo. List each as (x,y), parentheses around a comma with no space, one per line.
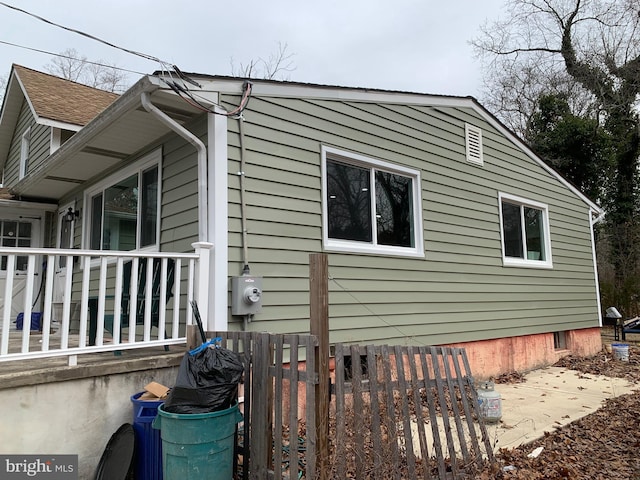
(603,445)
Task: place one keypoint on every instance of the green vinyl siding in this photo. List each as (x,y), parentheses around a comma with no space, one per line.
(179,204)
(12,167)
(460,291)
(39,145)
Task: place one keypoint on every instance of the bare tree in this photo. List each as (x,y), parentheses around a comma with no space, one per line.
(586,50)
(512,90)
(277,66)
(595,46)
(98,74)
(3,85)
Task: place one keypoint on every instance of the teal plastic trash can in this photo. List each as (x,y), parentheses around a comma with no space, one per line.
(148,452)
(199,445)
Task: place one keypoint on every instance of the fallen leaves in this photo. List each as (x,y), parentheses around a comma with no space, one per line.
(602,445)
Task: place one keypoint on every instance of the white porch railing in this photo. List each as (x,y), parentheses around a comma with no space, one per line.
(108,301)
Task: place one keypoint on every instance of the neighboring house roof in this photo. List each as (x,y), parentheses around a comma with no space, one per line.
(62,100)
(53,101)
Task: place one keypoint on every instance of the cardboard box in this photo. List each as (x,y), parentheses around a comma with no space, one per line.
(154,391)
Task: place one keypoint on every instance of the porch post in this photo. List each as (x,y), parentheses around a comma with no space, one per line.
(218,164)
(202,290)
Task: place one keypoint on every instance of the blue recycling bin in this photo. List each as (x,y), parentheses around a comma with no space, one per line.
(36,320)
(148,455)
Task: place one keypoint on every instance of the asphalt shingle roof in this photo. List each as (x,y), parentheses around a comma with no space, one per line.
(62,100)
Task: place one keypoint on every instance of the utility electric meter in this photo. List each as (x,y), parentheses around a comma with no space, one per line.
(246,295)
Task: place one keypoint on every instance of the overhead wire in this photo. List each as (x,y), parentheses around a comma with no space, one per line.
(188,96)
(79,32)
(366,307)
(69,57)
(167,68)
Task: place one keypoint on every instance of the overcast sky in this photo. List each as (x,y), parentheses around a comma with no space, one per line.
(412,45)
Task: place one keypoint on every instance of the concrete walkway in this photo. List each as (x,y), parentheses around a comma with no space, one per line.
(549,398)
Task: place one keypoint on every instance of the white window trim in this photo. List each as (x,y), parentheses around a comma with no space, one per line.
(524,262)
(153,158)
(335,245)
(56,137)
(25,144)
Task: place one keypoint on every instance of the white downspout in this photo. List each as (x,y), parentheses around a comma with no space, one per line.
(203,206)
(203,247)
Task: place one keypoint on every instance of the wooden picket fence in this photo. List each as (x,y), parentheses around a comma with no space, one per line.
(278,437)
(395,412)
(405,412)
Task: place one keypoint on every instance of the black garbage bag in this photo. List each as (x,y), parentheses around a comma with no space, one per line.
(207,380)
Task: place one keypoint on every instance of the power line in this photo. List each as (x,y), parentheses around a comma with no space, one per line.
(366,307)
(69,57)
(166,66)
(92,37)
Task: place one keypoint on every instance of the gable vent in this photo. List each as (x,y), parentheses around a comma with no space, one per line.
(473,140)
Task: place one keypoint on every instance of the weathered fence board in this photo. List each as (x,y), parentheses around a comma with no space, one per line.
(278,436)
(396,412)
(384,399)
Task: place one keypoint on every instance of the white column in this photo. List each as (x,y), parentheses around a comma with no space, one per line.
(218,222)
(202,285)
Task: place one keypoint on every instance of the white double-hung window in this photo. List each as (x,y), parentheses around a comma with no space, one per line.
(370,205)
(123,211)
(525,232)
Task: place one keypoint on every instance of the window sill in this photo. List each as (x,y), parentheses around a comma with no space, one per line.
(347,247)
(512,262)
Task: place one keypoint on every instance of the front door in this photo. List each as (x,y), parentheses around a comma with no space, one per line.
(20,230)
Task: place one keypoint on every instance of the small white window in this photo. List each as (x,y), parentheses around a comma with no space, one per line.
(124,210)
(524,226)
(24,153)
(473,143)
(370,206)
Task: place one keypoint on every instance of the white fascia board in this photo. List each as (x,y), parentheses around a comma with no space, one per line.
(57,124)
(288,90)
(209,97)
(26,97)
(11,105)
(8,95)
(234,87)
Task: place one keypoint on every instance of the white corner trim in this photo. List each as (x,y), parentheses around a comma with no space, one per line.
(218,192)
(592,222)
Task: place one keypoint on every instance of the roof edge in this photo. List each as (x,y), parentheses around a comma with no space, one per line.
(225,84)
(129,100)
